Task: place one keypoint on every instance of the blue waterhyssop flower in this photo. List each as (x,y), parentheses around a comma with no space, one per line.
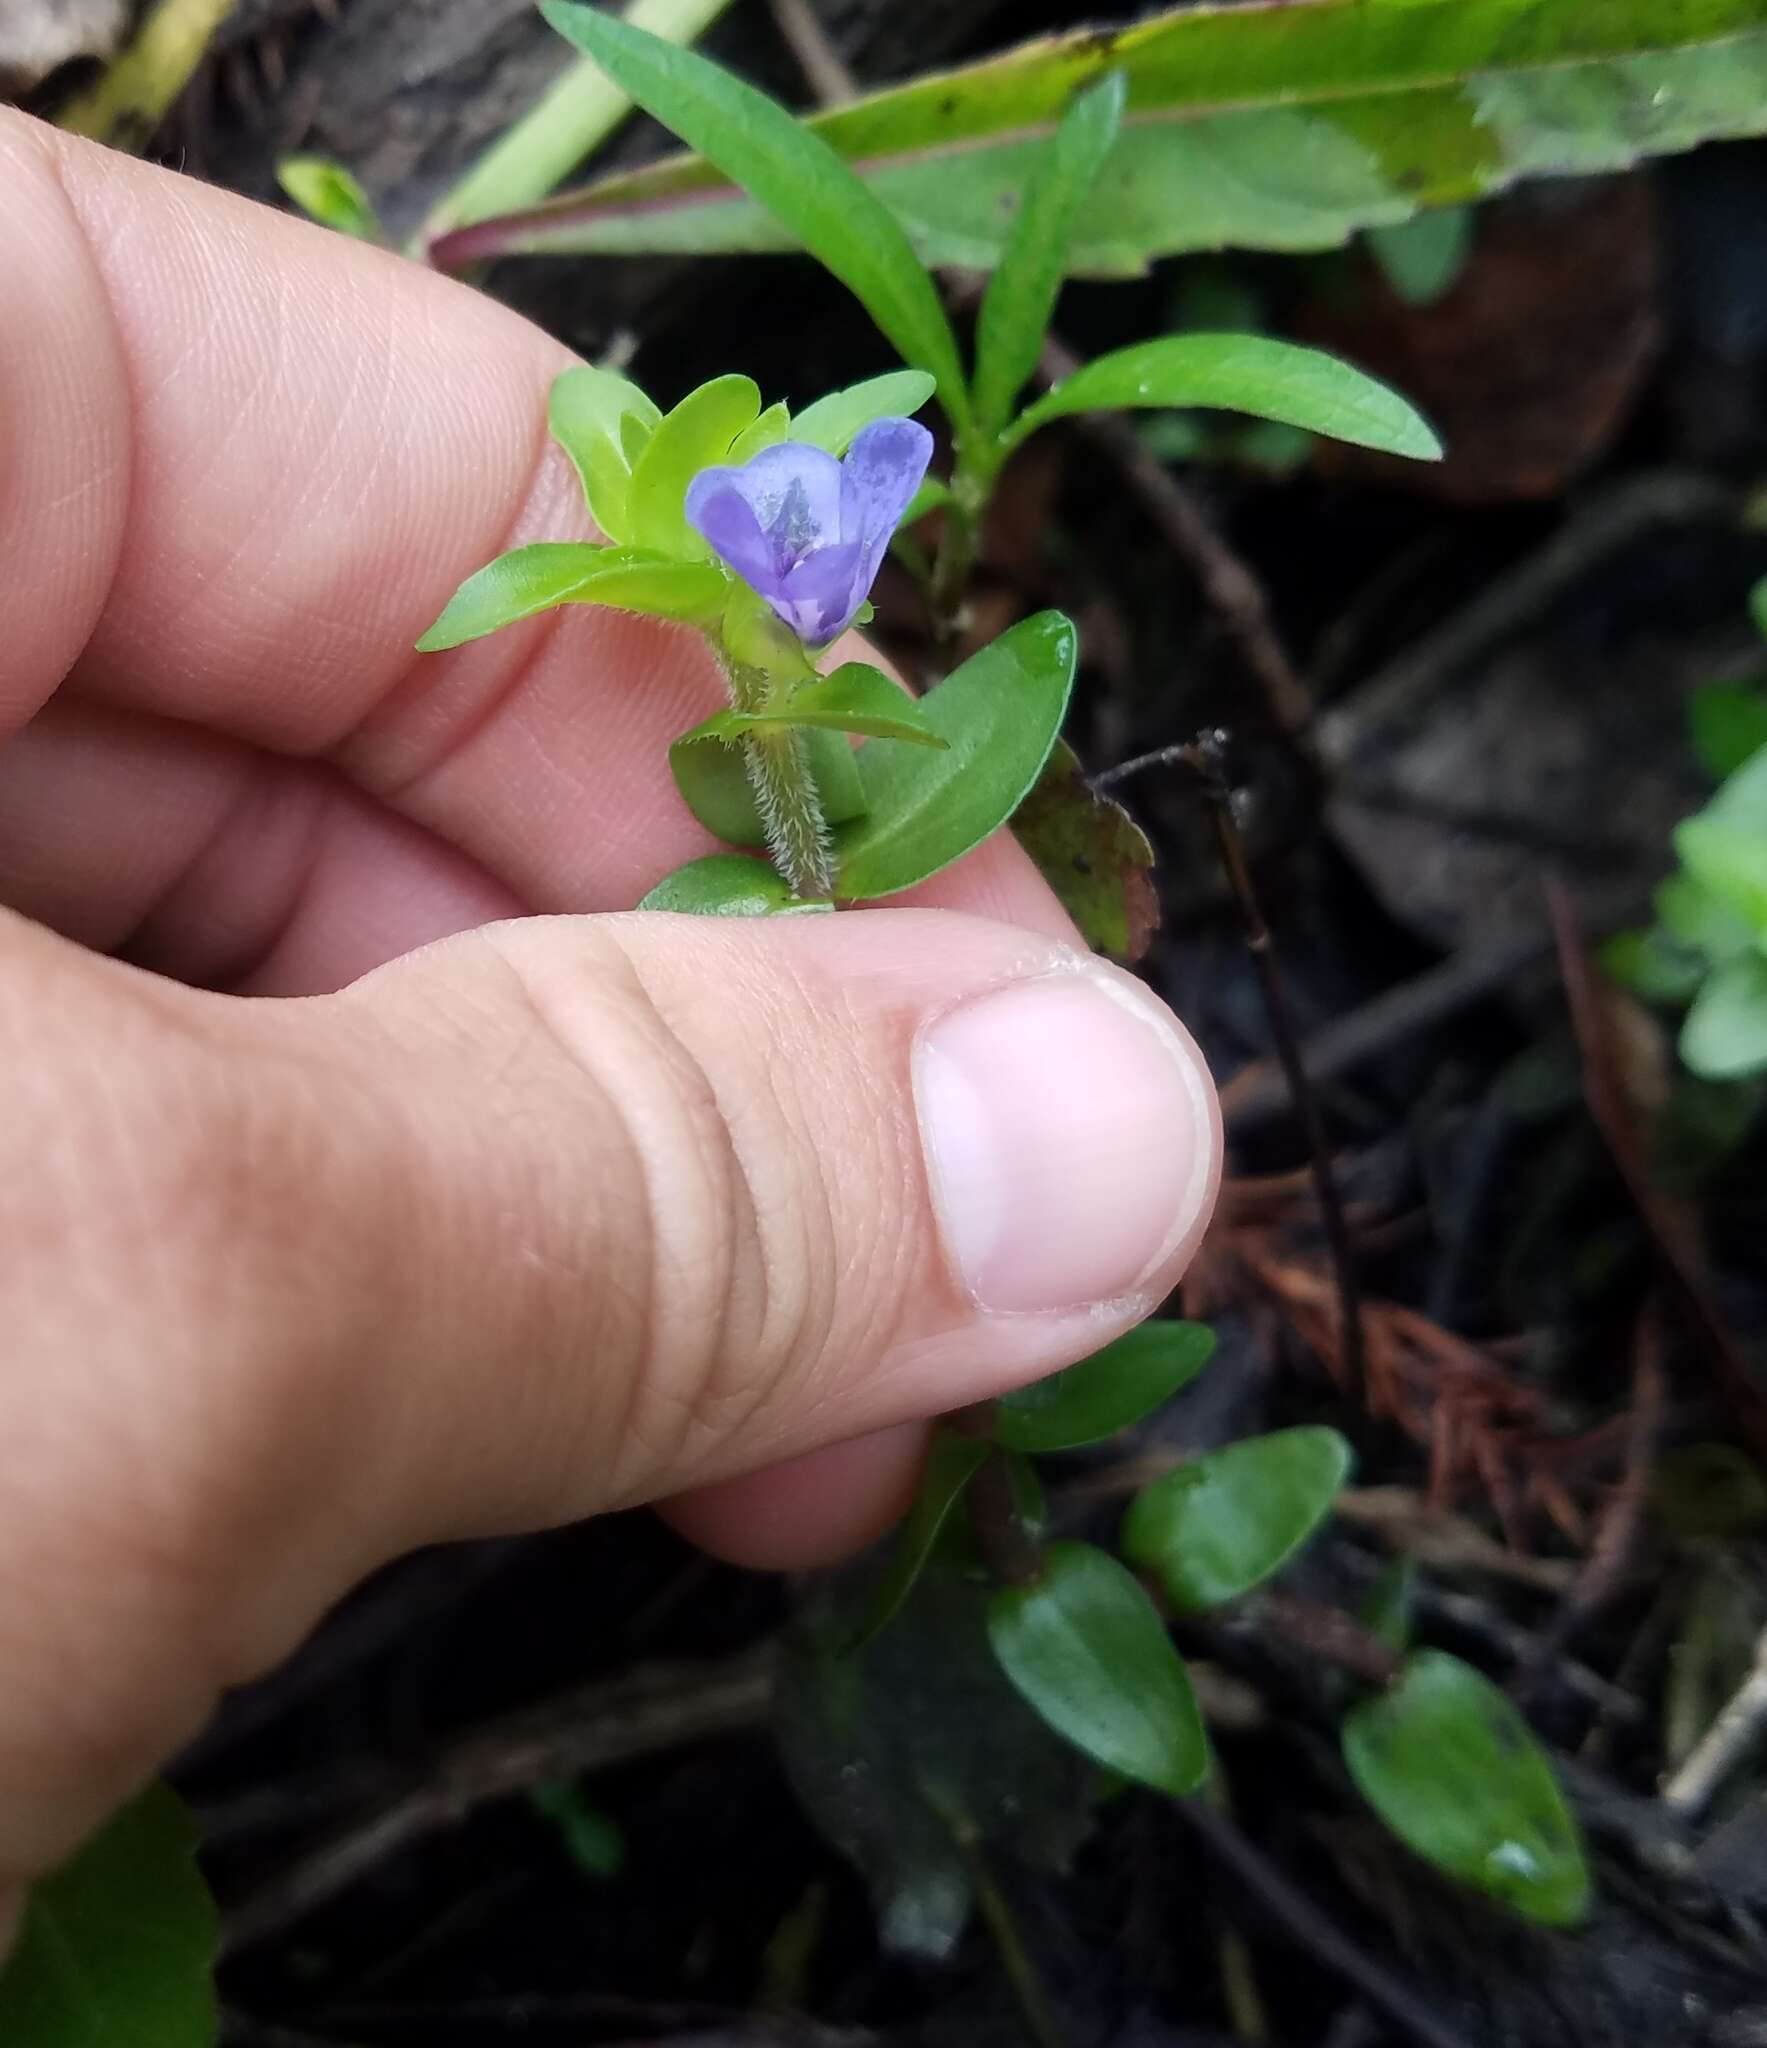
(807,532)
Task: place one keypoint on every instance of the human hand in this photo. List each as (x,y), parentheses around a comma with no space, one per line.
(549,1217)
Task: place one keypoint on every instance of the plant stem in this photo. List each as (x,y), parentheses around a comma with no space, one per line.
(972,485)
(791,811)
(132,97)
(1015,1958)
(581,109)
(1203,757)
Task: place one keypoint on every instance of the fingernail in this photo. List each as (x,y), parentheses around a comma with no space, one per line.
(1069,1129)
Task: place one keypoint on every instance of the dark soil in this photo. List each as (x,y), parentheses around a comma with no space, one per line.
(1502,670)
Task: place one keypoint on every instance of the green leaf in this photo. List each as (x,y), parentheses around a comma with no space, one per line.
(1729,722)
(328,194)
(697,433)
(1730,860)
(1694,916)
(1217,1527)
(951,1464)
(1000,712)
(1249,373)
(554,572)
(1106,1392)
(916,1748)
(1093,855)
(1742,797)
(852,698)
(789,171)
(598,419)
(1455,1772)
(1250,127)
(117,1948)
(1725,1035)
(1422,258)
(832,422)
(715,787)
(590,1838)
(1653,966)
(767,432)
(727,885)
(1086,1647)
(1021,295)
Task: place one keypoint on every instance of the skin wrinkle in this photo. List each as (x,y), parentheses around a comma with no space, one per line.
(109,543)
(259,788)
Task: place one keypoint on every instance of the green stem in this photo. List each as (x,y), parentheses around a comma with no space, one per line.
(972,485)
(791,811)
(132,97)
(1015,1958)
(553,137)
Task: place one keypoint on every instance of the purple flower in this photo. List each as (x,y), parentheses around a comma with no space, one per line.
(807,532)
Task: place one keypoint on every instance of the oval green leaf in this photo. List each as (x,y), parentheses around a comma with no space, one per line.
(767,432)
(1021,294)
(952,1463)
(726,885)
(790,172)
(1249,373)
(1455,1772)
(1725,1035)
(1730,860)
(1086,1648)
(1220,1525)
(852,698)
(117,1948)
(832,422)
(1000,714)
(1093,855)
(1106,1392)
(598,419)
(715,787)
(327,193)
(697,433)
(554,572)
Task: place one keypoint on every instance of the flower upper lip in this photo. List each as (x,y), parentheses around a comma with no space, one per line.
(806,531)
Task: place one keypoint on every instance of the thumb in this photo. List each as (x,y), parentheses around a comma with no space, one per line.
(553,1217)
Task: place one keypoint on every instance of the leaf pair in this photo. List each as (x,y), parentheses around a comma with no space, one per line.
(901,813)
(1709,945)
(635,462)
(792,173)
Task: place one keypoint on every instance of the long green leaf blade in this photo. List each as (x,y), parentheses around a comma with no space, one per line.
(554,572)
(789,171)
(1021,294)
(1249,373)
(1250,127)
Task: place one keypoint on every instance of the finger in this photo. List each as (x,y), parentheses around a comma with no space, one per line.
(560,1216)
(810,1511)
(249,460)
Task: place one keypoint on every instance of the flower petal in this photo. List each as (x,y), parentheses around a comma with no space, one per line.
(722,515)
(795,491)
(884,468)
(823,591)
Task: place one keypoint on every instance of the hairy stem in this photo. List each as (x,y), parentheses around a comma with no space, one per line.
(791,811)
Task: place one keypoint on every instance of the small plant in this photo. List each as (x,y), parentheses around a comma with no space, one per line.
(765,533)
(1707,952)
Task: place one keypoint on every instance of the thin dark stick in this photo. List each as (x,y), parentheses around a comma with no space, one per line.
(818,59)
(642,1713)
(1668,1222)
(1291,1909)
(1203,757)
